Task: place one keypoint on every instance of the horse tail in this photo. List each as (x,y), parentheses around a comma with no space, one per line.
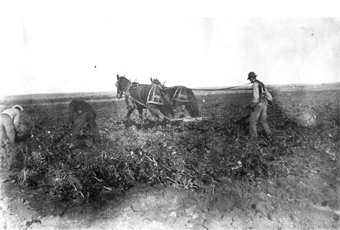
(192,106)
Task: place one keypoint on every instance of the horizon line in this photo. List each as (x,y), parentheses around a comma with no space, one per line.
(201,88)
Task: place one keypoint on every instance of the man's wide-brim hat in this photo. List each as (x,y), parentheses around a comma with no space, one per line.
(19,107)
(251,75)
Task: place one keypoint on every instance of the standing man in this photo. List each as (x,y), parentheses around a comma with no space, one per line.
(261,96)
(80,113)
(9,123)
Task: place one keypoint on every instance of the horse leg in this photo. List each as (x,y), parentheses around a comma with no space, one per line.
(174,105)
(180,108)
(189,109)
(192,106)
(141,117)
(154,114)
(130,106)
(127,117)
(166,114)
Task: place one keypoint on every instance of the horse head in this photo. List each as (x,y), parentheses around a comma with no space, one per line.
(122,85)
(155,81)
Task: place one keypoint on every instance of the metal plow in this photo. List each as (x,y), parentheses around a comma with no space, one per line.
(191,119)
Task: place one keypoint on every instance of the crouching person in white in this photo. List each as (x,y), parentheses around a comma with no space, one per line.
(9,123)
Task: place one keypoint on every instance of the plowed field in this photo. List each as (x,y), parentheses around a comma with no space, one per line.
(200,175)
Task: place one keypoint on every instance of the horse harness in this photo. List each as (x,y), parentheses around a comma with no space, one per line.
(152,98)
(180,95)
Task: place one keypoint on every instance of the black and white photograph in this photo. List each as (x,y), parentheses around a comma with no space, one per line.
(181,115)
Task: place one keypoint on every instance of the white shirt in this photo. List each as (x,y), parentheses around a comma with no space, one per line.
(15,116)
(256,93)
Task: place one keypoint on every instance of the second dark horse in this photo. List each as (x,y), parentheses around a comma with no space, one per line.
(142,96)
(182,97)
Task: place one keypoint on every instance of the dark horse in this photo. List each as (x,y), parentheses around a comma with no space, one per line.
(141,96)
(181,96)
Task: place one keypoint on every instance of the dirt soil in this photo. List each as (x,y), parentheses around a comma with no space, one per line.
(309,198)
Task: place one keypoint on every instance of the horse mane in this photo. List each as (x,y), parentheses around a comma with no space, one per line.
(123,77)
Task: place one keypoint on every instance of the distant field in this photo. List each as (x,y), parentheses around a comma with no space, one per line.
(54,98)
(94,96)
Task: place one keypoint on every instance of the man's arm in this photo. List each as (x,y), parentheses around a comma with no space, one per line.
(16,120)
(268,95)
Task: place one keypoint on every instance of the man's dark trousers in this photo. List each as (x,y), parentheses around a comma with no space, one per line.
(86,117)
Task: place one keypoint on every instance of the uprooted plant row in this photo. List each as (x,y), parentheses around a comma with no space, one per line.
(197,156)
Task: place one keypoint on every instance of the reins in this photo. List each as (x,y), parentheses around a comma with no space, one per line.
(221,89)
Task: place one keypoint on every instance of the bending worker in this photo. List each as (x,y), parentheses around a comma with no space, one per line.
(261,96)
(9,123)
(80,113)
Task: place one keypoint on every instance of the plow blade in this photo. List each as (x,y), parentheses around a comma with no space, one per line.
(191,119)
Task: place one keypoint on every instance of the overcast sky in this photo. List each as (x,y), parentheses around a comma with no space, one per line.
(60,48)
